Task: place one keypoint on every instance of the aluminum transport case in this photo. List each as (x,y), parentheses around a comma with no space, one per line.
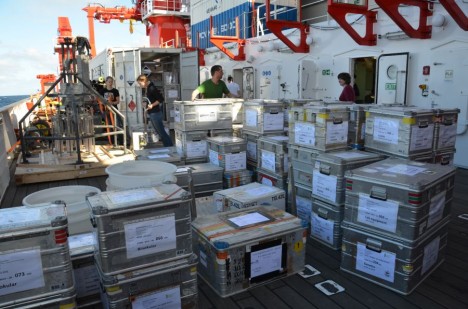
(273,180)
(207,178)
(204,114)
(226,144)
(318,127)
(251,138)
(35,264)
(326,223)
(253,194)
(328,182)
(242,249)
(402,131)
(445,131)
(263,116)
(140,227)
(192,144)
(394,263)
(397,197)
(273,154)
(169,285)
(86,278)
(303,162)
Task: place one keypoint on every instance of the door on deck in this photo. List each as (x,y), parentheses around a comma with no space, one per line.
(392,78)
(189,74)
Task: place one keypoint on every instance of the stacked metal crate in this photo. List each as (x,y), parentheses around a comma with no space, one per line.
(143,248)
(272,165)
(230,154)
(261,118)
(445,133)
(395,221)
(242,249)
(313,129)
(171,94)
(401,131)
(86,278)
(35,266)
(206,178)
(328,192)
(192,122)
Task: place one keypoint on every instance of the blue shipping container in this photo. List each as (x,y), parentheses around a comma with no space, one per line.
(225,23)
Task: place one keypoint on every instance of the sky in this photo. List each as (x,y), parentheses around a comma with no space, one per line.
(29,31)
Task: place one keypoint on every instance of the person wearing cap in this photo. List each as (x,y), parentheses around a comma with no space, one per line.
(214,87)
(154,108)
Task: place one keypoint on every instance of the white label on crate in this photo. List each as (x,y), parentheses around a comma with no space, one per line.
(20,216)
(178,143)
(128,197)
(213,156)
(248,219)
(421,138)
(303,208)
(251,118)
(260,191)
(252,150)
(380,214)
(336,133)
(268,160)
(86,280)
(431,254)
(21,271)
(196,149)
(176,115)
(324,185)
(158,156)
(207,114)
(322,228)
(279,138)
(172,94)
(203,258)
(265,261)
(165,299)
(447,136)
(436,210)
(378,264)
(159,151)
(405,169)
(273,122)
(304,133)
(351,155)
(235,161)
(267,181)
(150,236)
(172,113)
(81,240)
(386,130)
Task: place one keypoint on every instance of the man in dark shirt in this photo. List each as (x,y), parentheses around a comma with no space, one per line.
(155,108)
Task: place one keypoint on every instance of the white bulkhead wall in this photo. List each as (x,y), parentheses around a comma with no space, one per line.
(332,51)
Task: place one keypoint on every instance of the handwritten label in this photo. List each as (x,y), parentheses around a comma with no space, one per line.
(235,161)
(337,133)
(386,130)
(273,122)
(380,214)
(196,149)
(378,264)
(251,118)
(324,186)
(322,229)
(304,133)
(265,261)
(421,138)
(268,160)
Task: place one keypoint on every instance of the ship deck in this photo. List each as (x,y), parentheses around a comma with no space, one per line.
(446,287)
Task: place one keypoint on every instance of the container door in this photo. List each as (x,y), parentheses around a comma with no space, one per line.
(392,73)
(248,83)
(308,79)
(189,76)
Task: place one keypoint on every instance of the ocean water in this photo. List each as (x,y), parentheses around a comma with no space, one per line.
(9,99)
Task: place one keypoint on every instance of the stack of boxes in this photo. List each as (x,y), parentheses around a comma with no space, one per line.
(143,250)
(230,154)
(192,122)
(35,266)
(206,178)
(395,221)
(273,161)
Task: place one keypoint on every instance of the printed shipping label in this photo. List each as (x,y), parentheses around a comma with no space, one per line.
(207,114)
(386,130)
(150,236)
(337,133)
(324,186)
(236,161)
(431,254)
(378,264)
(304,133)
(322,229)
(303,208)
(265,261)
(213,155)
(251,117)
(436,210)
(165,299)
(380,214)
(447,136)
(196,149)
(421,138)
(273,122)
(120,198)
(87,281)
(268,160)
(252,150)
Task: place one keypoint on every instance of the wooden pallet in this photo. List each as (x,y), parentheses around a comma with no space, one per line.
(44,166)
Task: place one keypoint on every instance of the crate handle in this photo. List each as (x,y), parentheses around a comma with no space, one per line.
(325,169)
(423,124)
(378,193)
(337,120)
(274,111)
(374,245)
(323,213)
(448,122)
(445,160)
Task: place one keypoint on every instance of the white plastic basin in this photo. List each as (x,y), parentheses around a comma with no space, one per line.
(145,173)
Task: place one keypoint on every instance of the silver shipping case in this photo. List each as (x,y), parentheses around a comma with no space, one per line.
(207,178)
(169,285)
(326,223)
(140,227)
(191,144)
(243,249)
(226,144)
(263,116)
(35,266)
(273,154)
(398,197)
(204,114)
(229,161)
